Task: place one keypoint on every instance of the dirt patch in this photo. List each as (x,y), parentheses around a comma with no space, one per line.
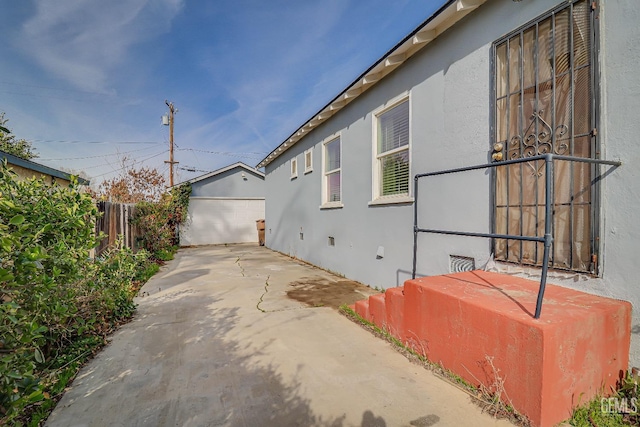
(321,292)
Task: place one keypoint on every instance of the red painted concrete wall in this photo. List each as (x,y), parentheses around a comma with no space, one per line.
(470,321)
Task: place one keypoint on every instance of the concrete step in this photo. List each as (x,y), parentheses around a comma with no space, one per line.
(480,326)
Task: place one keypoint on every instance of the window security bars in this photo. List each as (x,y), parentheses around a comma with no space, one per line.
(545,102)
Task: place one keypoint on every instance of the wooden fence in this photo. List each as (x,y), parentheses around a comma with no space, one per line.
(116,220)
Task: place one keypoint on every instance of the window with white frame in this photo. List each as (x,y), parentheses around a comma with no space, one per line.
(332,179)
(391,166)
(308,160)
(294,167)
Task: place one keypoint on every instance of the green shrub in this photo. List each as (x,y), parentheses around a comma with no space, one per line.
(158,221)
(152,219)
(56,304)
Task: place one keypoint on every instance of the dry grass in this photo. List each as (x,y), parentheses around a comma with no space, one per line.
(492,398)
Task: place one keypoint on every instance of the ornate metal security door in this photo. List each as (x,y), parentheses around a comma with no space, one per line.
(544,103)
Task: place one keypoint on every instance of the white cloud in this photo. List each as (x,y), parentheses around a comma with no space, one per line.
(82,41)
(284,51)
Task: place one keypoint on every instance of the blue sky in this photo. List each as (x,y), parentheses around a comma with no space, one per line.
(86,80)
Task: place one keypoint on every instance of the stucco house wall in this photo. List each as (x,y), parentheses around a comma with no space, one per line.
(449,87)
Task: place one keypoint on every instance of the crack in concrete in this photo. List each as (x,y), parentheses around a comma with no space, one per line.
(240,265)
(266,289)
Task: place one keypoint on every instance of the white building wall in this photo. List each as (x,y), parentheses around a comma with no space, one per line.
(214,221)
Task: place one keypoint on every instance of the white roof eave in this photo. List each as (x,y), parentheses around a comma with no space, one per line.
(439,22)
(222,170)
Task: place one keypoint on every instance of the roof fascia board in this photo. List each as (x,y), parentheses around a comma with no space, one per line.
(448,14)
(223,170)
(42,169)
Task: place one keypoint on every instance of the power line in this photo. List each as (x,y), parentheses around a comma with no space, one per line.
(224,152)
(99,156)
(62,98)
(192,169)
(134,163)
(62,141)
(66,90)
(102,164)
(250,155)
(103,97)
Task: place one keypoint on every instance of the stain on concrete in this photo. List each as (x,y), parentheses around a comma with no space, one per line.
(317,291)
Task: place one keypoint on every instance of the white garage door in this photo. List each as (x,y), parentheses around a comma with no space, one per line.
(215,221)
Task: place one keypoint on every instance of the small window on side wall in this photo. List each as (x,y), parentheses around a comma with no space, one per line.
(294,168)
(332,173)
(308,160)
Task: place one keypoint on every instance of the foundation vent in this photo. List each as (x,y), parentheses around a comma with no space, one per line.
(458,264)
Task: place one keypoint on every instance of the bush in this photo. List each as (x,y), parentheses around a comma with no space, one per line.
(158,221)
(56,304)
(152,219)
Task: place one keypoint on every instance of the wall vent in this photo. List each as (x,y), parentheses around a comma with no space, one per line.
(458,264)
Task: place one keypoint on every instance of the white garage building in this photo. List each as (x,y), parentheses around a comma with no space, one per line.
(224,207)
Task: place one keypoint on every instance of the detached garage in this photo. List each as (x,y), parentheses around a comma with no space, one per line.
(224,207)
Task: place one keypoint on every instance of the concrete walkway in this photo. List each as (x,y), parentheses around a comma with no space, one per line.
(208,347)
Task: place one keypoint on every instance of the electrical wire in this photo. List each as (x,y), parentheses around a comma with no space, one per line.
(62,141)
(190,169)
(62,98)
(52,88)
(134,163)
(103,164)
(251,155)
(100,156)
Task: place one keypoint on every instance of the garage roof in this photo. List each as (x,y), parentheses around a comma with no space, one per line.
(37,167)
(223,170)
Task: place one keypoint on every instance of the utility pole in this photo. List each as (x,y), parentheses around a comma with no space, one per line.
(172,112)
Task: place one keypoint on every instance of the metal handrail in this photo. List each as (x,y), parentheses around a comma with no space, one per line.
(548,208)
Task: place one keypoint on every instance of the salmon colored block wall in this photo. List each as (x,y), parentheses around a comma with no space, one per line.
(394,304)
(377,311)
(480,326)
(362,309)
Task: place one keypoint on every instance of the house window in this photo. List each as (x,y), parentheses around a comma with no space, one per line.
(391,168)
(308,160)
(294,168)
(543,103)
(332,179)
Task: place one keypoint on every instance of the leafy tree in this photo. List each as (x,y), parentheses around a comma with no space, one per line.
(133,185)
(10,144)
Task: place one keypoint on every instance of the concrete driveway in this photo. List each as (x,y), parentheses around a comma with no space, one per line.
(216,342)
